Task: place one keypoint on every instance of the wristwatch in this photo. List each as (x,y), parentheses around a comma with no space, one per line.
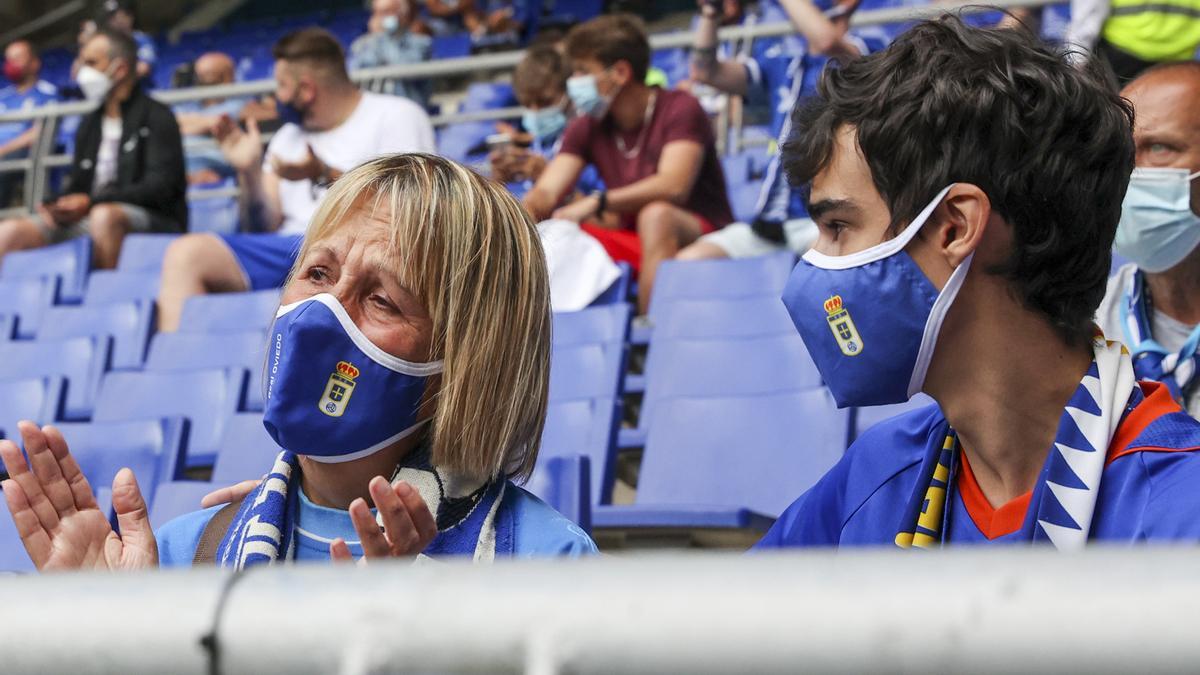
(601,202)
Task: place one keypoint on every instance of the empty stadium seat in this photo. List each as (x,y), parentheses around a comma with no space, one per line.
(585,371)
(193,351)
(152,448)
(25,301)
(144,252)
(36,399)
(109,286)
(605,324)
(176,498)
(451,46)
(721,279)
(129,324)
(620,290)
(218,215)
(745,318)
(65,264)
(585,427)
(743,199)
(225,312)
(8,324)
(731,462)
(206,398)
(246,450)
(80,361)
(562,482)
(488,96)
(13,557)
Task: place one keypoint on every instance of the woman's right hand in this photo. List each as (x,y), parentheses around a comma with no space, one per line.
(56,513)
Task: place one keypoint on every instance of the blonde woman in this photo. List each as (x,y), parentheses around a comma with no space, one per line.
(407,379)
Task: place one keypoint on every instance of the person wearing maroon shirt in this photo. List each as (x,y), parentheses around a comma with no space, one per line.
(654,149)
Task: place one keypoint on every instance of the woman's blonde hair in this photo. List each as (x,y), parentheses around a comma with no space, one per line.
(471,254)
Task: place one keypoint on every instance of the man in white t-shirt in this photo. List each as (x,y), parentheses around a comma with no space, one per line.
(330,126)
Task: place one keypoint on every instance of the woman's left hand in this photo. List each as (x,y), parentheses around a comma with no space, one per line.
(408,526)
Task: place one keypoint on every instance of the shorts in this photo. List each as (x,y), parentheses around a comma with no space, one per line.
(140,219)
(739,240)
(265,259)
(624,246)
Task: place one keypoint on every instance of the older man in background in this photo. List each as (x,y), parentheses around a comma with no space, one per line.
(197,119)
(391,40)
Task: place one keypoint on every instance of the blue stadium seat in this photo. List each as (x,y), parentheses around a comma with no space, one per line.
(206,398)
(65,264)
(226,312)
(129,324)
(176,498)
(109,286)
(737,168)
(457,141)
(721,279)
(37,399)
(144,252)
(574,11)
(80,361)
(743,199)
(153,449)
(608,324)
(218,215)
(562,482)
(25,301)
(8,324)
(700,319)
(865,418)
(722,367)
(488,96)
(586,371)
(451,46)
(585,427)
(621,289)
(246,450)
(197,351)
(732,462)
(13,557)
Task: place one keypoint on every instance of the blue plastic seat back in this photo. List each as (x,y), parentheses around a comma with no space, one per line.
(721,279)
(706,319)
(865,418)
(206,398)
(36,399)
(488,96)
(451,46)
(607,324)
(562,482)
(176,498)
(8,324)
(574,11)
(737,169)
(585,427)
(65,264)
(144,252)
(246,451)
(755,452)
(129,324)
(152,448)
(743,199)
(27,300)
(13,557)
(586,371)
(80,361)
(458,140)
(620,290)
(191,351)
(218,215)
(226,312)
(109,286)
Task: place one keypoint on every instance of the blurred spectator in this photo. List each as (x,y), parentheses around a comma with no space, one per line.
(477,17)
(120,16)
(653,148)
(330,126)
(1153,303)
(778,76)
(22,68)
(127,174)
(197,119)
(390,41)
(1132,35)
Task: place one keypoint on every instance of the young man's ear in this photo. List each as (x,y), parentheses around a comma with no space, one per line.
(963,216)
(622,73)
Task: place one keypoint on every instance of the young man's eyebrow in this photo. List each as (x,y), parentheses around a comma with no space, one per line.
(819,208)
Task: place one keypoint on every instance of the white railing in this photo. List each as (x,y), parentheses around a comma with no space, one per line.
(992,610)
(41,159)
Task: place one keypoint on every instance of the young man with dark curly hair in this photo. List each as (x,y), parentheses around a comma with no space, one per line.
(967,184)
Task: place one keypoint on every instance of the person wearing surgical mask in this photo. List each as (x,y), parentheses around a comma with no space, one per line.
(394,37)
(407,380)
(950,264)
(1152,303)
(25,89)
(127,174)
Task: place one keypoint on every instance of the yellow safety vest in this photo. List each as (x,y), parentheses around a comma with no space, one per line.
(1155,30)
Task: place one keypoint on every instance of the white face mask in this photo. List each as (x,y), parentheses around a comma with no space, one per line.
(94,84)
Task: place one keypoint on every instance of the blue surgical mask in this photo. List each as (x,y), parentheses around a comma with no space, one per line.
(544,123)
(289,113)
(331,393)
(390,23)
(582,91)
(1158,228)
(870,320)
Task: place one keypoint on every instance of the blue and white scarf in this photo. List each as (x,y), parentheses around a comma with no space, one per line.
(1064,500)
(1152,361)
(469,518)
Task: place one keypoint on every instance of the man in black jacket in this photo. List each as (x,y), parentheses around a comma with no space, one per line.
(128,172)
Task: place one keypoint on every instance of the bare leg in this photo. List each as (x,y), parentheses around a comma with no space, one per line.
(702,250)
(195,264)
(108,225)
(18,234)
(663,229)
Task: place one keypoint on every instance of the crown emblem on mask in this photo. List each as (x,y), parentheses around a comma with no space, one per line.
(338,389)
(844,330)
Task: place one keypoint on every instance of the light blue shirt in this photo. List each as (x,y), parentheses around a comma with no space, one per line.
(13,99)
(373,50)
(539,531)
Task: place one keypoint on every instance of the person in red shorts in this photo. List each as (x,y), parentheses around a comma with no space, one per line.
(654,149)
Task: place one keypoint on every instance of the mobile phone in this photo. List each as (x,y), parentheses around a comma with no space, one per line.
(498,141)
(838,11)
